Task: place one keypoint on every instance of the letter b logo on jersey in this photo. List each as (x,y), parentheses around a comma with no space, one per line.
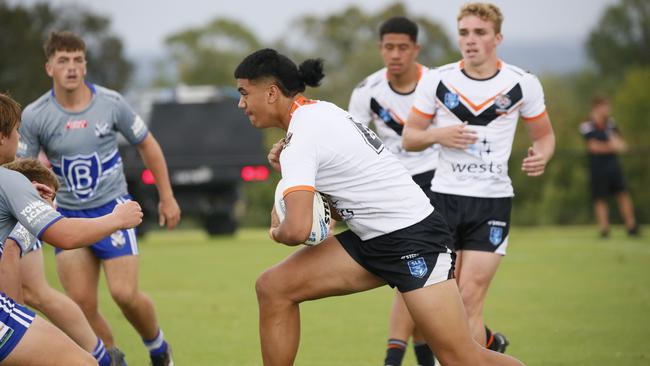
(82,173)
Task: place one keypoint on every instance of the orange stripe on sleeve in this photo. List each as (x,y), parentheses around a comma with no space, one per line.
(298,188)
(421,114)
(534,118)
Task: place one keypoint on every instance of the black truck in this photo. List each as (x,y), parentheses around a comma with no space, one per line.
(210,148)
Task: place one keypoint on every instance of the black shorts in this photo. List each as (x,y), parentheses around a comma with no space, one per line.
(606,180)
(424,180)
(410,258)
(475,223)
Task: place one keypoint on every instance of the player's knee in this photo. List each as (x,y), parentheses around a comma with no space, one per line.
(263,285)
(32,298)
(268,285)
(87,304)
(473,295)
(123,295)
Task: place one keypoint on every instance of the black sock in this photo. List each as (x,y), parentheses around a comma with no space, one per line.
(423,354)
(395,352)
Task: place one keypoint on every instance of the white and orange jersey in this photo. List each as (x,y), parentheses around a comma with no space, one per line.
(374,100)
(328,151)
(491,107)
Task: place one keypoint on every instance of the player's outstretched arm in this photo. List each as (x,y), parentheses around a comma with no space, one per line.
(297,223)
(169,213)
(543,137)
(71,233)
(10,280)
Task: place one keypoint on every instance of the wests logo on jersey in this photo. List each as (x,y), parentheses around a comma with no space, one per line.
(81,173)
(477,168)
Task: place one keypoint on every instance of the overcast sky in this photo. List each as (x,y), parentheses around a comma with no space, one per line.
(144,24)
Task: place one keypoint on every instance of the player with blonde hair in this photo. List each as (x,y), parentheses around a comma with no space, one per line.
(475,105)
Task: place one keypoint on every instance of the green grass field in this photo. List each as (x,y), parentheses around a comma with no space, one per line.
(562,296)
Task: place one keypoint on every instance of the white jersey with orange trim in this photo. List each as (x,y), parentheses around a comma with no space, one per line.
(328,151)
(374,100)
(491,107)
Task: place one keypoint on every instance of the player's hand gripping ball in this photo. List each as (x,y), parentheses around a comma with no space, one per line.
(321,216)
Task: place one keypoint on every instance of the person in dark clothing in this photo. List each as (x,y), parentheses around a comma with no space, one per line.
(604,143)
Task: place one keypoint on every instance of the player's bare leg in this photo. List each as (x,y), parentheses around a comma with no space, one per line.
(137,307)
(57,307)
(475,272)
(309,273)
(401,325)
(400,328)
(45,345)
(78,272)
(438,312)
(626,209)
(602,216)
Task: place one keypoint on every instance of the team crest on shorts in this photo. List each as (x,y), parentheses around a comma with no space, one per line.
(118,240)
(496,235)
(418,267)
(451,100)
(496,231)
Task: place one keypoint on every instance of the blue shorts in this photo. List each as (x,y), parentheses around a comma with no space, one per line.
(118,244)
(14,321)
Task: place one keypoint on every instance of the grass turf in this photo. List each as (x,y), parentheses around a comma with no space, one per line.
(562,296)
